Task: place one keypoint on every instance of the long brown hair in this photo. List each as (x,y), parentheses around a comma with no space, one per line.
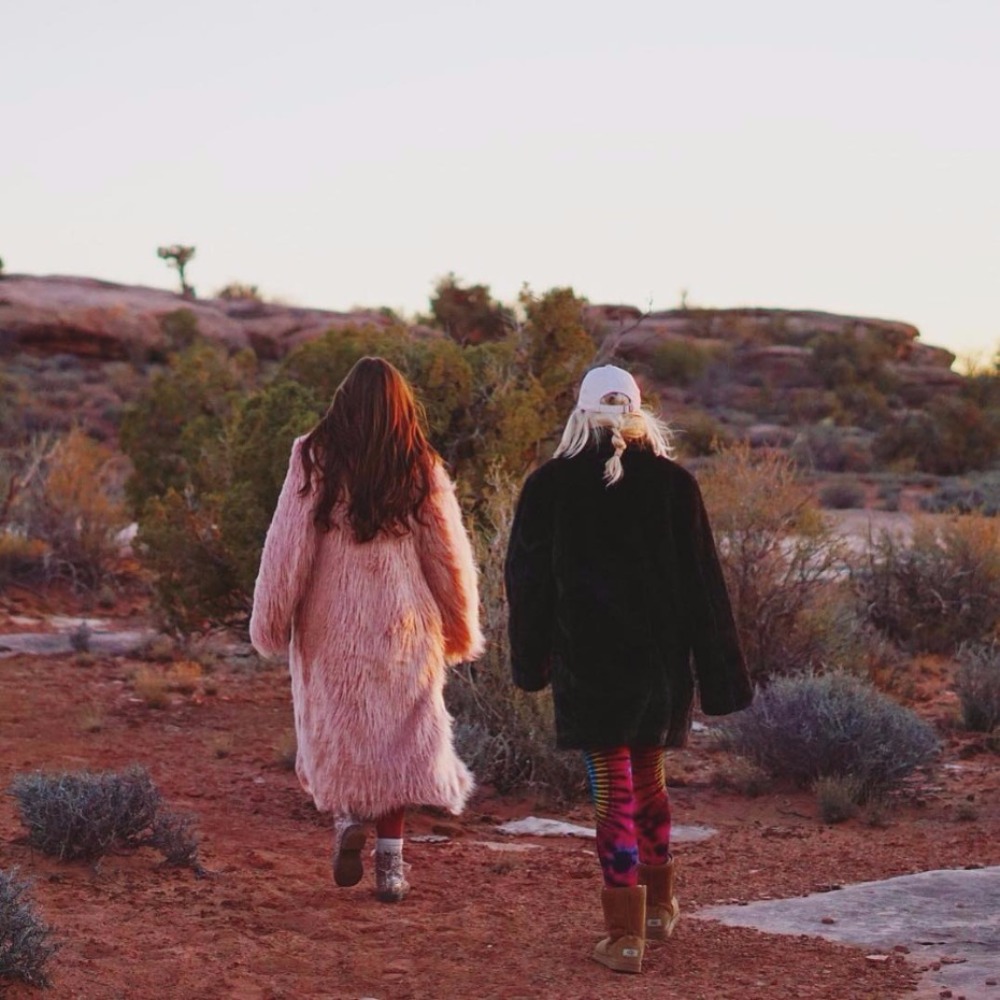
(371,453)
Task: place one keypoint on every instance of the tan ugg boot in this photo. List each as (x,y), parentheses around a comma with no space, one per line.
(662,909)
(625,920)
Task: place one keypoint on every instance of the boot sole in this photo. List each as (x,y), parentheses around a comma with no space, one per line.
(347,866)
(392,897)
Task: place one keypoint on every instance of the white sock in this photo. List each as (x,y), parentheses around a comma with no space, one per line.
(389,845)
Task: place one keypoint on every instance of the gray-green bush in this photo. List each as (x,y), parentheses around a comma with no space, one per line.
(84,815)
(813,727)
(26,943)
(978,685)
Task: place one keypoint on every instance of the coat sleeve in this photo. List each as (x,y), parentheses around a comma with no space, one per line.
(450,570)
(530,584)
(723,681)
(285,563)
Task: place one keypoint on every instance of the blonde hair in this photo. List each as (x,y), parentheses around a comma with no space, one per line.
(586,426)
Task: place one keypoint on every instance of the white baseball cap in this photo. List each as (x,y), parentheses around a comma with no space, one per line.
(600,382)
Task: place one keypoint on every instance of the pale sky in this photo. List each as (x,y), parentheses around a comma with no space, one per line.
(785,153)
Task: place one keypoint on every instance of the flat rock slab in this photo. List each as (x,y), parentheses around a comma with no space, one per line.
(535,826)
(58,644)
(949,921)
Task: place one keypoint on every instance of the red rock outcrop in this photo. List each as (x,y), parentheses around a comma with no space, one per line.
(107,321)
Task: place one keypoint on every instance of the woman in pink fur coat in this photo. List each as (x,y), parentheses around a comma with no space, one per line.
(367,580)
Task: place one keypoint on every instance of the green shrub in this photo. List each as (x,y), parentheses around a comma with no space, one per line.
(862,406)
(701,434)
(952,437)
(813,727)
(681,362)
(843,495)
(832,449)
(505,735)
(978,685)
(25,940)
(173,432)
(81,815)
(973,495)
(847,360)
(209,448)
(238,291)
(180,329)
(889,494)
(469,315)
(937,591)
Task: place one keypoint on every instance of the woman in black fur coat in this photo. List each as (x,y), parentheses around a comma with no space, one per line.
(615,590)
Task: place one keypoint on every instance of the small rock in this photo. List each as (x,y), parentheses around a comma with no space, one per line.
(877,959)
(828,920)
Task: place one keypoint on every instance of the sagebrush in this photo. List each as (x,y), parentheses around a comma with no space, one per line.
(26,942)
(833,726)
(978,685)
(85,815)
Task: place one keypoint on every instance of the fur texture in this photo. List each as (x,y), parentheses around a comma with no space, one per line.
(613,592)
(369,629)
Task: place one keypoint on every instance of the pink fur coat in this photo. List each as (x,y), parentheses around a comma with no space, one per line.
(369,629)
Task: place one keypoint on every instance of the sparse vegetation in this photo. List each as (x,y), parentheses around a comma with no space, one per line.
(838,797)
(506,736)
(238,291)
(152,687)
(780,558)
(84,815)
(210,450)
(834,726)
(937,591)
(978,685)
(842,495)
(681,362)
(965,495)
(26,941)
(949,438)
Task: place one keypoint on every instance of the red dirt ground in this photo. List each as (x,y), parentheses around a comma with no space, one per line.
(268,922)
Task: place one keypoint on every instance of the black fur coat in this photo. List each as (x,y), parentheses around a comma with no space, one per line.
(613,592)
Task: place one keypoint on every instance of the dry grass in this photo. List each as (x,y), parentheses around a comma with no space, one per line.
(152,687)
(184,677)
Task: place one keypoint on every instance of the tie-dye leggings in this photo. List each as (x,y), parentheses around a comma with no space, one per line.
(629,790)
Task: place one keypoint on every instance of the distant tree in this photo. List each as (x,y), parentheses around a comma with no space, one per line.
(1,267)
(557,346)
(469,315)
(178,256)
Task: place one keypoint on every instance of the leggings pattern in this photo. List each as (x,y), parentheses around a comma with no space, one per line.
(632,807)
(652,806)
